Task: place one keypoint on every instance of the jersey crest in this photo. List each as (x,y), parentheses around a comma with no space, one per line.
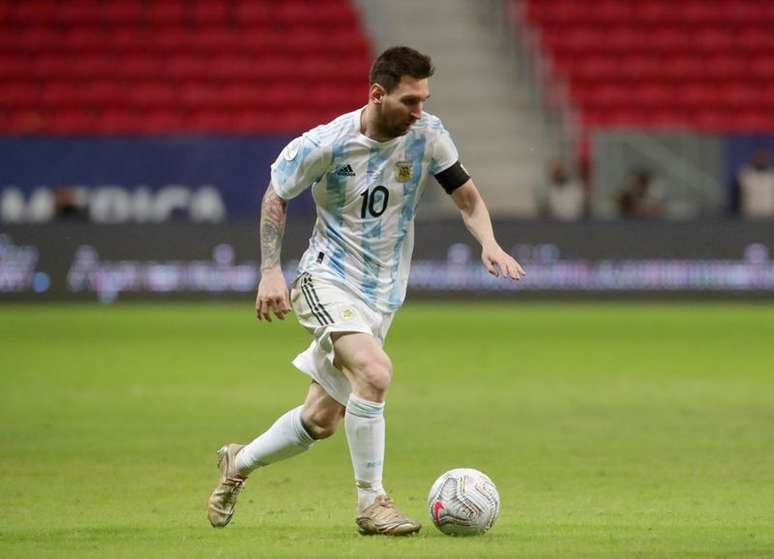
(403,171)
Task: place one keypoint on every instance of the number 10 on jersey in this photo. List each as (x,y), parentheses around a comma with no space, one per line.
(374,201)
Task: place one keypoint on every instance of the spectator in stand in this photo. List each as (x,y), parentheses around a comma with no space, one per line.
(756,187)
(563,197)
(640,197)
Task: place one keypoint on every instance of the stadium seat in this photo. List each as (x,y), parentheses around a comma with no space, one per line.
(168,12)
(151,95)
(200,96)
(64,121)
(17,95)
(657,63)
(755,40)
(175,66)
(123,13)
(35,12)
(63,95)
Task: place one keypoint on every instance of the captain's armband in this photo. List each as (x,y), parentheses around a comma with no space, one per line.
(453,177)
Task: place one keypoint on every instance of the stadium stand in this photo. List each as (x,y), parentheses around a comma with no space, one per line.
(178,66)
(656,64)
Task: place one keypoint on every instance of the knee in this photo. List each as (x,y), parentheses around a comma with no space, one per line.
(374,373)
(320,425)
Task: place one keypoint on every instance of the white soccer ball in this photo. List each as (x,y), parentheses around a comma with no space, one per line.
(463,502)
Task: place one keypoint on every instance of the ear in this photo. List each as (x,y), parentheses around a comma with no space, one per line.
(376,93)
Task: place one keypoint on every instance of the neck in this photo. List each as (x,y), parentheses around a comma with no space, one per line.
(369,126)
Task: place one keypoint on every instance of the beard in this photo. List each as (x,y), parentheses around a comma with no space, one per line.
(393,130)
(394,127)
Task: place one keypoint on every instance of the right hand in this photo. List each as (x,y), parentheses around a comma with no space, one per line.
(272,295)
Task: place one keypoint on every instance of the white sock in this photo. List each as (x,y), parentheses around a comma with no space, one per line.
(364,423)
(286,438)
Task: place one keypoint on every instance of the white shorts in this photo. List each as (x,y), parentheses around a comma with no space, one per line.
(322,308)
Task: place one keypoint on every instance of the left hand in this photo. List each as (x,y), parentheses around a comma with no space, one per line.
(498,262)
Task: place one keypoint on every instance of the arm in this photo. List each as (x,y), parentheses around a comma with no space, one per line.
(272,289)
(477,220)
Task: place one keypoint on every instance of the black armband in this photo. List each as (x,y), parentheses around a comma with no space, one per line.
(453,177)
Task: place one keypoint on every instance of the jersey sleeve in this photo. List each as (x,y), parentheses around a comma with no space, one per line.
(302,163)
(444,153)
(446,166)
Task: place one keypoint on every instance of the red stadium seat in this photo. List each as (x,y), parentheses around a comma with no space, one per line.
(83,41)
(693,96)
(683,67)
(240,95)
(753,121)
(209,13)
(657,63)
(170,40)
(27,13)
(126,66)
(654,12)
(667,40)
(667,118)
(123,13)
(653,95)
(608,95)
(118,121)
(162,122)
(740,96)
(760,67)
(283,95)
(610,11)
(17,67)
(168,12)
(640,67)
(106,93)
(200,96)
(720,40)
(63,95)
(141,67)
(151,95)
(75,121)
(79,12)
(756,40)
(21,95)
(251,13)
(726,67)
(247,121)
(211,121)
(698,13)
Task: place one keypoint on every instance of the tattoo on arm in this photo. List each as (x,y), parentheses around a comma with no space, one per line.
(274,211)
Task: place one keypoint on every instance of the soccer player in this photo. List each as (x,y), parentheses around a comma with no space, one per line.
(367,170)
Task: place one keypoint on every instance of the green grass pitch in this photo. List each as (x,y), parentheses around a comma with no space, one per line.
(611,430)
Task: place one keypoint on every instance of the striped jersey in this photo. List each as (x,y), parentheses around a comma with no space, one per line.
(366,193)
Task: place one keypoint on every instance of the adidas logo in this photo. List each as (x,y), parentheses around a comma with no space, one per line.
(346,171)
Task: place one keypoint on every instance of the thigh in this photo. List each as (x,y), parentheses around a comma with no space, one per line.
(355,351)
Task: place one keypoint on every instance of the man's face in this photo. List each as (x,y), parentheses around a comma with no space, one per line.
(402,107)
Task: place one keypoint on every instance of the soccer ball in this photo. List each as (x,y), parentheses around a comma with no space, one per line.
(463,502)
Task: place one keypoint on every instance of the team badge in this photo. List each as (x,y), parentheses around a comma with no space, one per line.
(403,171)
(347,313)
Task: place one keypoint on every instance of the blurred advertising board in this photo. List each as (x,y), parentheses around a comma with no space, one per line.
(187,261)
(136,180)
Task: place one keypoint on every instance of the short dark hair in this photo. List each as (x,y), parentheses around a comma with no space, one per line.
(396,62)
